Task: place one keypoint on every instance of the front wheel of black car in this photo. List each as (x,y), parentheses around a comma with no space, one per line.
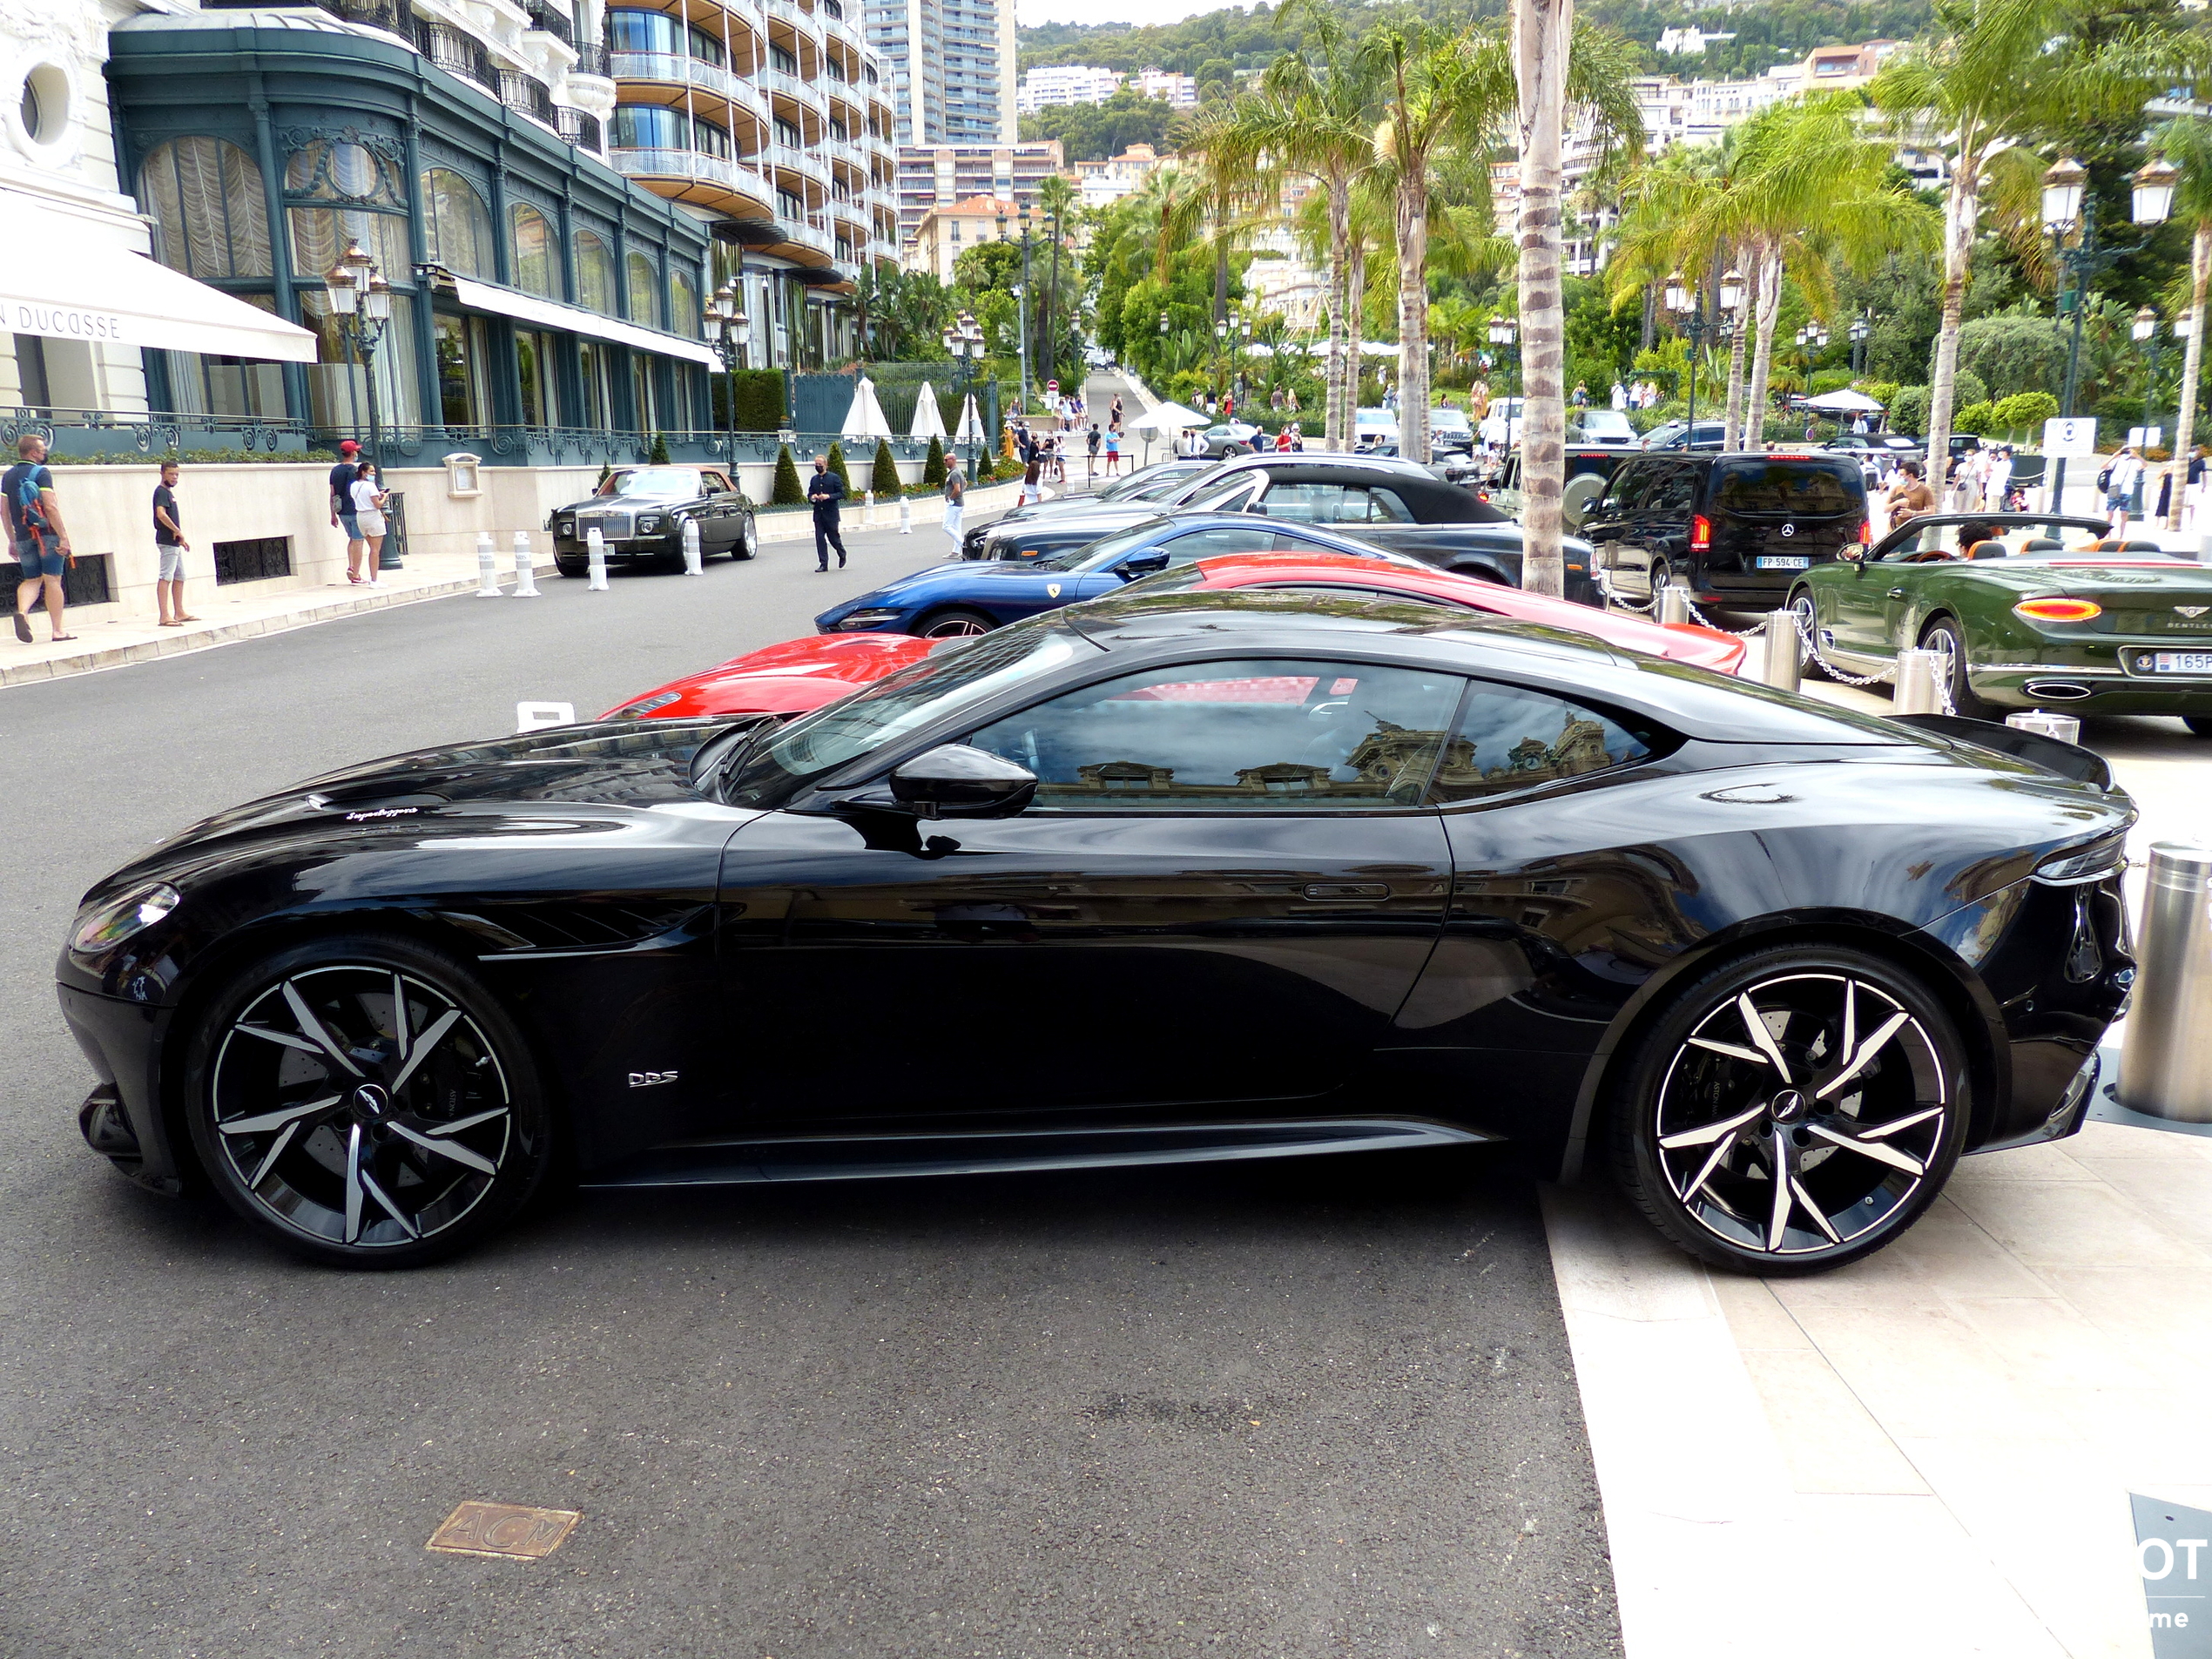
(1946,639)
(363,1103)
(1792,1111)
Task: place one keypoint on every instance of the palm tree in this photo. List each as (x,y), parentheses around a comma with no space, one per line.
(1311,115)
(1992,77)
(1056,195)
(2186,142)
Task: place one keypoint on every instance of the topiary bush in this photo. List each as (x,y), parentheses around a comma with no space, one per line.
(933,469)
(787,492)
(1975,418)
(884,479)
(2024,412)
(838,465)
(659,456)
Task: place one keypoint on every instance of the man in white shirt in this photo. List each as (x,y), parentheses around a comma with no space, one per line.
(2120,487)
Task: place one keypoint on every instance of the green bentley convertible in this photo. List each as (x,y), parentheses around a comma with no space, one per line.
(2027,612)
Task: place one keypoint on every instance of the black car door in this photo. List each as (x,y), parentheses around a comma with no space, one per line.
(1226,885)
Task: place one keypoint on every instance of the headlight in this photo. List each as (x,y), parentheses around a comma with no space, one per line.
(118,919)
(2083,864)
(631,712)
(649,524)
(868,618)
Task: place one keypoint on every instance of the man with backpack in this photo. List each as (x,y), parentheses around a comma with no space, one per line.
(36,534)
(2118,481)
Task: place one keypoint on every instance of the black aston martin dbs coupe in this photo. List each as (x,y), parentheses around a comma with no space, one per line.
(1203,875)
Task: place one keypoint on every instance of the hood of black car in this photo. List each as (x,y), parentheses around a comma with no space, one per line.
(624,504)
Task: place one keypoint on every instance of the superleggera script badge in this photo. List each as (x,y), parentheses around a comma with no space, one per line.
(381,812)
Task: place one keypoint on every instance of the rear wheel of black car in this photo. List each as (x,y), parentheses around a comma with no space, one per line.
(748,543)
(1792,1111)
(364,1104)
(1948,641)
(572,567)
(956,623)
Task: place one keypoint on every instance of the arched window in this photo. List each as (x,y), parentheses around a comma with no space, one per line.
(343,193)
(210,217)
(456,228)
(683,305)
(644,291)
(333,170)
(632,30)
(534,272)
(595,275)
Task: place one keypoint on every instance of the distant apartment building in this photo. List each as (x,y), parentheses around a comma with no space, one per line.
(932,176)
(947,232)
(1105,183)
(951,64)
(1058,84)
(1179,91)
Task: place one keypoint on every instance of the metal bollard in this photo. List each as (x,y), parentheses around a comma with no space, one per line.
(693,565)
(1674,605)
(1920,690)
(2166,1047)
(1780,664)
(906,517)
(596,548)
(525,567)
(2064,727)
(487,567)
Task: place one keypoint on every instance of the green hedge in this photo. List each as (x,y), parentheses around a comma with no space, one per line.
(760,399)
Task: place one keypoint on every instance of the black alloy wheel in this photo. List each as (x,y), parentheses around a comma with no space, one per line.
(1657,576)
(1944,638)
(364,1104)
(1792,1111)
(956,623)
(1805,614)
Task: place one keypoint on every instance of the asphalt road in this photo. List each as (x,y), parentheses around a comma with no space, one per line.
(1320,1408)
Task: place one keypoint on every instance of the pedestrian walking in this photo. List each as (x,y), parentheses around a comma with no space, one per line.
(2119,481)
(2193,488)
(1910,496)
(1283,441)
(37,536)
(1114,451)
(1091,471)
(170,544)
(368,518)
(341,508)
(825,489)
(1114,414)
(955,494)
(1030,467)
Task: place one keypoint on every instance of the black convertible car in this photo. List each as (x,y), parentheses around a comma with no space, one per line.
(1286,874)
(640,513)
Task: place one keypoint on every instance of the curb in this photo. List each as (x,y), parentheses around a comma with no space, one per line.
(148,649)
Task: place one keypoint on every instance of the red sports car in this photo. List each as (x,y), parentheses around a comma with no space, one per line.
(803,674)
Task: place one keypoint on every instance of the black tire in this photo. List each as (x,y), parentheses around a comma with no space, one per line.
(748,542)
(419,1142)
(1698,1128)
(2200,725)
(1807,616)
(571,567)
(1660,573)
(955,623)
(1945,637)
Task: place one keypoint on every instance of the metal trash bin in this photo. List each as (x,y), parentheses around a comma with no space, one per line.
(2166,1046)
(395,548)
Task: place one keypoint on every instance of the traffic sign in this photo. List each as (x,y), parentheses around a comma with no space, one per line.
(1053,387)
(2070,438)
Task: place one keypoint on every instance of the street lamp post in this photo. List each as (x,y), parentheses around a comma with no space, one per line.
(361,302)
(730,329)
(2069,210)
(1503,332)
(1690,320)
(1220,361)
(964,340)
(1860,328)
(2144,331)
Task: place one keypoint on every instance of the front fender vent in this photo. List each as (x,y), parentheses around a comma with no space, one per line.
(572,925)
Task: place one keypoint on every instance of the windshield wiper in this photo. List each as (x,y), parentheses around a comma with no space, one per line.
(712,762)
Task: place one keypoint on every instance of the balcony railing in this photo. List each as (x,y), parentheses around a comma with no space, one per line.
(805,91)
(456,52)
(591,59)
(394,15)
(552,22)
(668,68)
(581,130)
(736,177)
(526,95)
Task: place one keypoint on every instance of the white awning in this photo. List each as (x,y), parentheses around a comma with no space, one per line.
(552,314)
(56,280)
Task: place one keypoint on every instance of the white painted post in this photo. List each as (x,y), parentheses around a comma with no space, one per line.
(525,567)
(692,564)
(487,567)
(906,517)
(596,547)
(867,513)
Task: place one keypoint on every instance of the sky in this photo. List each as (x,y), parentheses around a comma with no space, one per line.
(1031,12)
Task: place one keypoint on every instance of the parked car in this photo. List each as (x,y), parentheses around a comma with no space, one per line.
(1384,503)
(789,678)
(1736,529)
(1777,965)
(1230,438)
(1374,432)
(2025,612)
(1450,433)
(1587,469)
(1500,427)
(640,513)
(1156,482)
(1676,435)
(1603,426)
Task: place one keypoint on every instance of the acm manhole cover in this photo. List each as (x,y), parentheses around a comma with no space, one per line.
(509,1531)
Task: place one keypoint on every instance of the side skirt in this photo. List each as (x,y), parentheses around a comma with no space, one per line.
(871,1158)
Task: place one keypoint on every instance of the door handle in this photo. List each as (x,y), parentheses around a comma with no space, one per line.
(1897,593)
(1347,889)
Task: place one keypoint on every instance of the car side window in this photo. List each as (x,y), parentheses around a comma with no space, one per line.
(1508,739)
(715,483)
(1672,494)
(1228,539)
(1304,504)
(1234,498)
(1291,734)
(1627,490)
(1387,506)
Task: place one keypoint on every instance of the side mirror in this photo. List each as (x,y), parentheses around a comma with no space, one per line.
(959,780)
(1137,564)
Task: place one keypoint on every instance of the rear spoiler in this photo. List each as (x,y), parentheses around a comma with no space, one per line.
(2067,759)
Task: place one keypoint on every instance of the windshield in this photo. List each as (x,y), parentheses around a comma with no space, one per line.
(661,483)
(1093,556)
(1448,420)
(774,771)
(1605,420)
